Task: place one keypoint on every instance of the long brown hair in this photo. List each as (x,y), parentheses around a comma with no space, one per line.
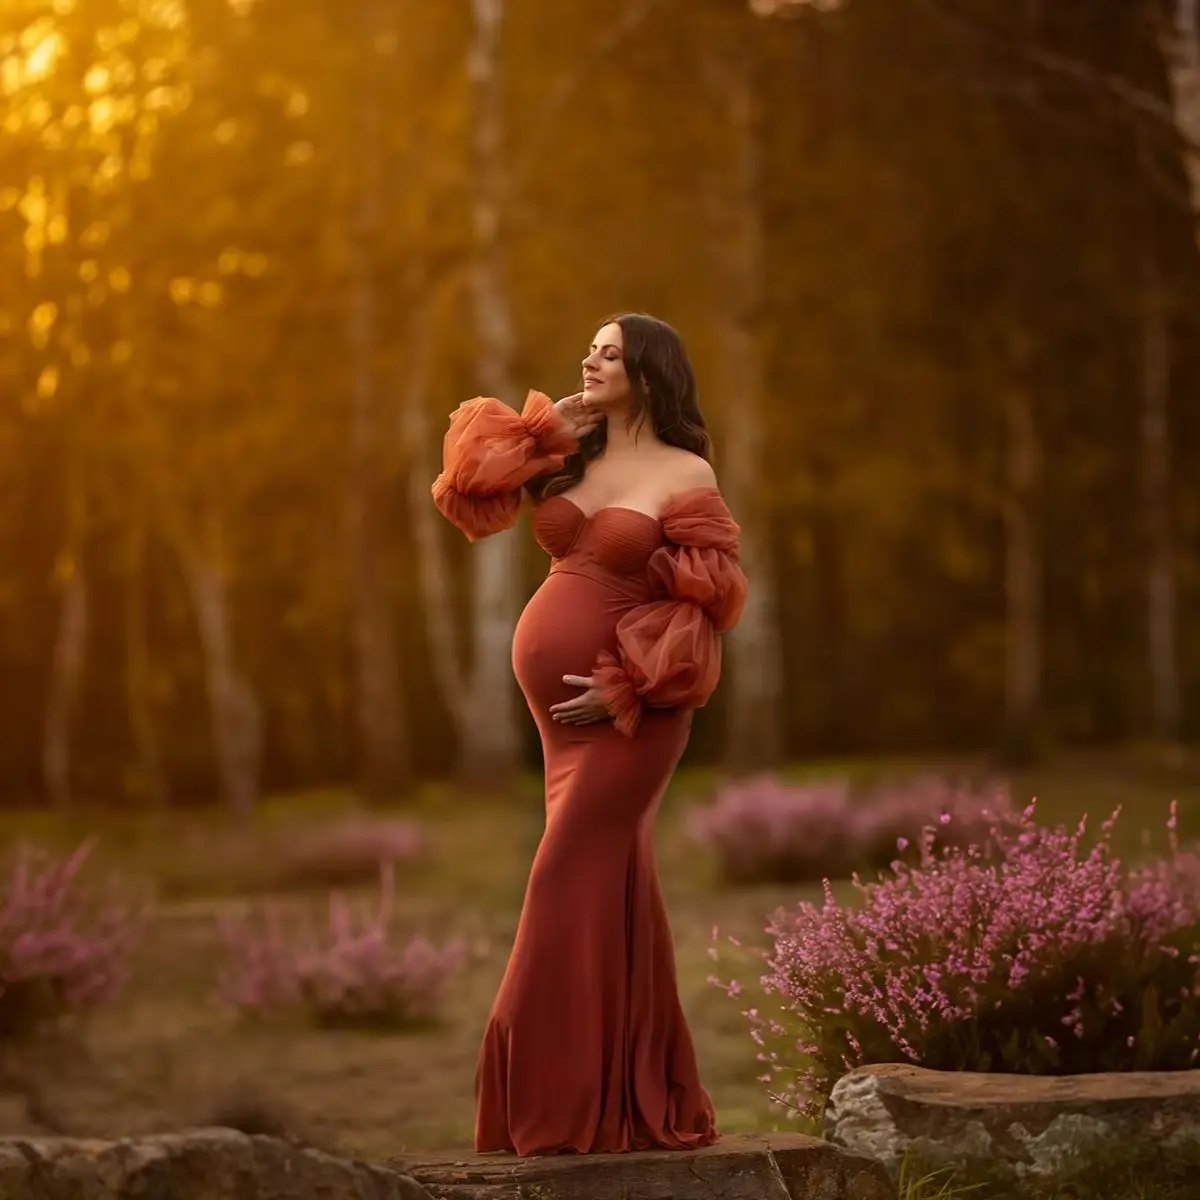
(662,386)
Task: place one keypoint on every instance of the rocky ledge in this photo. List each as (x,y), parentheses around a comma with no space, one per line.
(776,1166)
(202,1164)
(220,1164)
(1030,1124)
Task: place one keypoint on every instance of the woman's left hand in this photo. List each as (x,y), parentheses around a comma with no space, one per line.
(583,710)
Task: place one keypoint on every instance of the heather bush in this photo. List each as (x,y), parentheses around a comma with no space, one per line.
(894,820)
(763,830)
(358,972)
(1038,952)
(345,854)
(65,944)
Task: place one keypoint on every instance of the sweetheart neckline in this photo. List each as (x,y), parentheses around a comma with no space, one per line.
(637,512)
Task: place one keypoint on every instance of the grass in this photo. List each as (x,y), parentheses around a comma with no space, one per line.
(167,1056)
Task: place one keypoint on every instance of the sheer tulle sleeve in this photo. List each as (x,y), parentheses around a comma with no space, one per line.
(669,650)
(488,454)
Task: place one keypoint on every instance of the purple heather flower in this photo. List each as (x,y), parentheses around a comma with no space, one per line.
(358,972)
(971,957)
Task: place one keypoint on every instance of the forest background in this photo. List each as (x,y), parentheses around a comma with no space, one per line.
(935,261)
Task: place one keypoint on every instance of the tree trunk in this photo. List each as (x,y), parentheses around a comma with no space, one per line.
(1161,594)
(755,690)
(1023,560)
(434,576)
(150,782)
(830,636)
(236,722)
(66,679)
(490,749)
(478,685)
(385,761)
(1181,49)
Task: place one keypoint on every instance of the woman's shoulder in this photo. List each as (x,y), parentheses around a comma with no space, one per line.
(683,470)
(695,512)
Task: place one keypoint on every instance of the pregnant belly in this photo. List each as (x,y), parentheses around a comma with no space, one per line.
(565,625)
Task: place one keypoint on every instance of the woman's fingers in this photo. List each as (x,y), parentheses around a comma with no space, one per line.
(579,710)
(581,716)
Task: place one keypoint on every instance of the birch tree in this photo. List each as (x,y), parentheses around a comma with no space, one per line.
(386,765)
(731,67)
(487,709)
(476,676)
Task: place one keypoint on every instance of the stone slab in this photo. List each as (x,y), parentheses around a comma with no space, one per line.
(777,1166)
(1030,1123)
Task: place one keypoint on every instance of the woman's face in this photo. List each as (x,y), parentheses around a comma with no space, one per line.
(605,384)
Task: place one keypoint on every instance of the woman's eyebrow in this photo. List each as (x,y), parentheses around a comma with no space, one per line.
(606,346)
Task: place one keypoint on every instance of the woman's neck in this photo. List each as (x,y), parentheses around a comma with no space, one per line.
(620,440)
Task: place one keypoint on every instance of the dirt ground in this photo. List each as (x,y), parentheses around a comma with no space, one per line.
(166,1055)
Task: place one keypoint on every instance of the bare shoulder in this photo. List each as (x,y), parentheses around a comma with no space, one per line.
(687,470)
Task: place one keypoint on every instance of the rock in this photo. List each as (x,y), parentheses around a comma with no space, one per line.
(777,1166)
(1027,1124)
(222,1164)
(202,1164)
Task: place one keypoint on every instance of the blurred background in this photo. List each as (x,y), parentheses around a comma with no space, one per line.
(936,263)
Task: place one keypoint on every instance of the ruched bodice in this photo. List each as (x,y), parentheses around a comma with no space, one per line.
(612,545)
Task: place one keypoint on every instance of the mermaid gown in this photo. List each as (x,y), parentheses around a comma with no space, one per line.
(586,1048)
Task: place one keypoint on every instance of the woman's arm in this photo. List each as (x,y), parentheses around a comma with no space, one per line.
(490,452)
(669,651)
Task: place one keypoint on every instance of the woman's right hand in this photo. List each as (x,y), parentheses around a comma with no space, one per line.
(577,416)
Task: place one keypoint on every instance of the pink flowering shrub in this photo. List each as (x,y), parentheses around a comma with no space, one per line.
(895,820)
(357,972)
(347,853)
(65,946)
(1039,954)
(765,831)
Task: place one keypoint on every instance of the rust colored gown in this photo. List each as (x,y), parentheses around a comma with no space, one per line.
(586,1049)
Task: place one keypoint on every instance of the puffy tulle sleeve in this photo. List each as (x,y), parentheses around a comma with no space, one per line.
(669,650)
(489,453)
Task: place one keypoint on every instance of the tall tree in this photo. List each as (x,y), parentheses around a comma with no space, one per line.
(1161,575)
(386,763)
(733,67)
(488,723)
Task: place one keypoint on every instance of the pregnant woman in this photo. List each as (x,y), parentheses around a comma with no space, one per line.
(586,1049)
